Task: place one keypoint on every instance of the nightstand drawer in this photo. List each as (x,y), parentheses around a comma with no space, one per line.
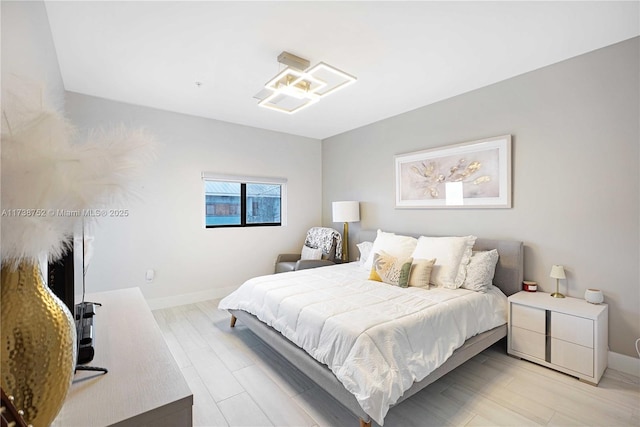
(572,356)
(533,319)
(528,342)
(566,334)
(573,329)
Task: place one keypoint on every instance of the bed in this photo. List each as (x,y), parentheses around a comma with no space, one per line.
(345,381)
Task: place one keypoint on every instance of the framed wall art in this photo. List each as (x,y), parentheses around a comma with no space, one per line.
(474,174)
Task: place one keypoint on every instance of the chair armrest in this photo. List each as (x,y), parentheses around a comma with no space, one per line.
(288,258)
(312,263)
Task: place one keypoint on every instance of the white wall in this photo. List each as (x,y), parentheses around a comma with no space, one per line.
(27,48)
(576,177)
(165,229)
(576,182)
(27,55)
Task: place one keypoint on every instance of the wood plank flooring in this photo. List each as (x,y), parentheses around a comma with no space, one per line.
(238,381)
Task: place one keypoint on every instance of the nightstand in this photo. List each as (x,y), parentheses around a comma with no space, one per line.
(566,334)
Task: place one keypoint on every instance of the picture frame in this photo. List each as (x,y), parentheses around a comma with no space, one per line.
(474,174)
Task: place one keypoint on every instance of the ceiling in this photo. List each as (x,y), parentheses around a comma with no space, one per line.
(404,54)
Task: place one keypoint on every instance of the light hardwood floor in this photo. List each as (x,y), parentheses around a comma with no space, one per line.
(238,381)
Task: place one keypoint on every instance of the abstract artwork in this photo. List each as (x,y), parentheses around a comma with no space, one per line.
(470,175)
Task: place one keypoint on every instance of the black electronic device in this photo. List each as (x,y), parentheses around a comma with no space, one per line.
(61,280)
(66,278)
(84,326)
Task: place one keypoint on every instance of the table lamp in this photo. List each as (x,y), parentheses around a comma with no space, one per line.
(346,212)
(557,272)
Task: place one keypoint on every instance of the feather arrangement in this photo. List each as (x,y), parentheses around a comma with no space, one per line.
(50,180)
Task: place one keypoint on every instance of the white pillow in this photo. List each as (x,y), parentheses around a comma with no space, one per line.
(310,253)
(480,271)
(365,250)
(450,253)
(395,245)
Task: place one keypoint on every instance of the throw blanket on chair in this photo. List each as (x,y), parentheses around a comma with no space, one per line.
(324,238)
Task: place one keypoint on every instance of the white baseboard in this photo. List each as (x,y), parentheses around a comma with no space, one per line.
(172,301)
(623,363)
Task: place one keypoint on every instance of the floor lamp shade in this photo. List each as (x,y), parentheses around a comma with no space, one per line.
(346,212)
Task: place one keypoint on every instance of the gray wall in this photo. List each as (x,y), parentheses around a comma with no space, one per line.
(575,174)
(575,179)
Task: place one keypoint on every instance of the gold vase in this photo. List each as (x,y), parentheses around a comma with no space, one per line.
(38,352)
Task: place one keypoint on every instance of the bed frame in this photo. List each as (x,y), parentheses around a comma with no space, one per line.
(508,277)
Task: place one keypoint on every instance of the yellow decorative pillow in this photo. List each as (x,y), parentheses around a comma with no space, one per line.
(421,272)
(391,270)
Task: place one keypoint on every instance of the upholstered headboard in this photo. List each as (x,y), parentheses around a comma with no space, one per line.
(509,271)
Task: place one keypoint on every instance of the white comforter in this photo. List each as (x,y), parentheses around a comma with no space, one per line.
(376,338)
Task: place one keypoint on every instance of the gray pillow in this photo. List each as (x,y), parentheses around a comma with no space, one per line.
(480,270)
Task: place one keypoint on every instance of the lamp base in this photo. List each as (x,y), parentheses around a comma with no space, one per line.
(557,295)
(345,243)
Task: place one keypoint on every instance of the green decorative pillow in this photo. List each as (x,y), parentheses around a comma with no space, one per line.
(391,270)
(421,273)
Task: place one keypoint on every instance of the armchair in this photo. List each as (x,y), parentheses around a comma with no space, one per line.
(324,238)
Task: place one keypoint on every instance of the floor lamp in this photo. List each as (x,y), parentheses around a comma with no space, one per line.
(346,212)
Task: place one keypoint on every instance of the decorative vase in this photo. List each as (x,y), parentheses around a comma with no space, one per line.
(38,353)
(594,296)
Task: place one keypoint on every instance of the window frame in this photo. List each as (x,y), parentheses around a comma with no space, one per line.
(243,180)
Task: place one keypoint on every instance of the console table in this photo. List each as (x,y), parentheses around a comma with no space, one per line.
(144,385)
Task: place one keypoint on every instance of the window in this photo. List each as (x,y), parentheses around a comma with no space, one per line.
(233,201)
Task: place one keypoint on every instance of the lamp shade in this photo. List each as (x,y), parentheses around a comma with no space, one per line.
(346,211)
(557,272)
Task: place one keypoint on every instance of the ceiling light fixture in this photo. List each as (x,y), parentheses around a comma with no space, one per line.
(298,86)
